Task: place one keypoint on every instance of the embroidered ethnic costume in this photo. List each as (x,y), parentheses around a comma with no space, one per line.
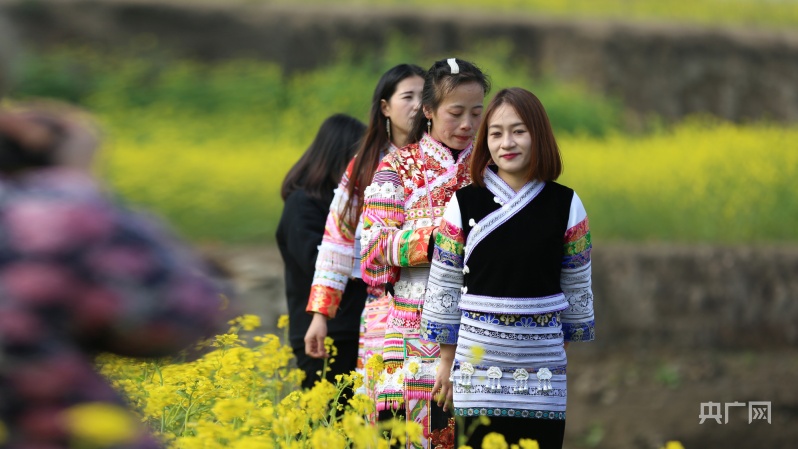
(338,260)
(401,208)
(510,281)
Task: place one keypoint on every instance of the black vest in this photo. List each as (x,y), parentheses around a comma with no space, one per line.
(522,258)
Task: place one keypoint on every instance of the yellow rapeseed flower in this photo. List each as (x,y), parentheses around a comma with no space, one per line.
(526,443)
(351,423)
(282,322)
(327,438)
(101,424)
(362,404)
(414,432)
(226,340)
(316,401)
(673,445)
(329,346)
(494,440)
(247,322)
(229,409)
(357,380)
(477,352)
(252,442)
(374,366)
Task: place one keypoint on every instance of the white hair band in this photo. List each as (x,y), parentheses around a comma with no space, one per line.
(453,65)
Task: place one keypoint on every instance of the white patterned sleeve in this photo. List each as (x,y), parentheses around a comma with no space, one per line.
(440,319)
(578,321)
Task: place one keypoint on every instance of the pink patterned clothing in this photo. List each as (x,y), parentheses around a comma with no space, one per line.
(339,253)
(338,261)
(402,207)
(80,276)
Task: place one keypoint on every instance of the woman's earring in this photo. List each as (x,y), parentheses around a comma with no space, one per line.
(388,127)
(429,126)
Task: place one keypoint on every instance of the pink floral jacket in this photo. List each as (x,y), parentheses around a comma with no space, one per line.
(78,276)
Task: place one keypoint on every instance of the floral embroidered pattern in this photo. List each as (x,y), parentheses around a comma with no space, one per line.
(397,224)
(443,438)
(512,412)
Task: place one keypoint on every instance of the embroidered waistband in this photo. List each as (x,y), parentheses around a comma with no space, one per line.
(517,306)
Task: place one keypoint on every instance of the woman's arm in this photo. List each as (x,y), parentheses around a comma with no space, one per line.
(575,278)
(384,245)
(440,318)
(335,261)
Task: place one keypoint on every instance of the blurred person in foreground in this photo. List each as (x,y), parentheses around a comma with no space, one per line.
(80,275)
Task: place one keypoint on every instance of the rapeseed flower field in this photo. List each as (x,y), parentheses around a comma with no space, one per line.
(700,181)
(207,146)
(243,394)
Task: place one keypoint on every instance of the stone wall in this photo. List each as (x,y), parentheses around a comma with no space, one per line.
(697,296)
(669,70)
(647,296)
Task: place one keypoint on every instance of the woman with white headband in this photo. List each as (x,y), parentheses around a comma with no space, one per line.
(402,209)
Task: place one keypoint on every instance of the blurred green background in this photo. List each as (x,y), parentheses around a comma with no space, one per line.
(206,145)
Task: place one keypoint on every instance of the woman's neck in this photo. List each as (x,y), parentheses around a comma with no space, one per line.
(453,152)
(515,181)
(398,138)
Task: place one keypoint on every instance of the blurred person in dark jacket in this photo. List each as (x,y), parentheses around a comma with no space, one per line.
(80,275)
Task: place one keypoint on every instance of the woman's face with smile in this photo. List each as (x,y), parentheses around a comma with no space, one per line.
(510,144)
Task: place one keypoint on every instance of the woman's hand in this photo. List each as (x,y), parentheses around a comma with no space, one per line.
(314,337)
(443,390)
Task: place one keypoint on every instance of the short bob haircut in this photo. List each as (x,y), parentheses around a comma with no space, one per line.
(546,162)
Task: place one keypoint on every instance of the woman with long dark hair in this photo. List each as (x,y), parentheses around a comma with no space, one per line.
(402,209)
(307,191)
(393,107)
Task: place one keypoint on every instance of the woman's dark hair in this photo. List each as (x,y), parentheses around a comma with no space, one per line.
(320,168)
(438,83)
(376,140)
(546,162)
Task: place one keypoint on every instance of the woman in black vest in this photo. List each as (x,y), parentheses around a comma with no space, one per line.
(510,284)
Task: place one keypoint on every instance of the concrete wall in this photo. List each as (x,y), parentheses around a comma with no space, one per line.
(664,69)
